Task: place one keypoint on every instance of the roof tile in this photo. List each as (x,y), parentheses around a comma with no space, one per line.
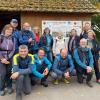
(48,5)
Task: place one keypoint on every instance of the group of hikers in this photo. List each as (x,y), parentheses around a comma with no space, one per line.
(27,57)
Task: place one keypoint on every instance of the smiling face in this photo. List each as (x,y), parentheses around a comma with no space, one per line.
(73,32)
(26,26)
(41,54)
(59,35)
(63,53)
(90,35)
(47,30)
(8,31)
(87,26)
(23,52)
(14,25)
(83,43)
(36,30)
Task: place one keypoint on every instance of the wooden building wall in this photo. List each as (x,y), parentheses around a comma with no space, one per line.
(35,18)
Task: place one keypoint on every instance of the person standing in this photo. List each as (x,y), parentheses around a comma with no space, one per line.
(59,43)
(94,46)
(46,42)
(14,24)
(36,32)
(73,41)
(27,37)
(84,33)
(7,49)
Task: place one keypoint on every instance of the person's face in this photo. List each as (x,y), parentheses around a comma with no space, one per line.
(23,53)
(8,31)
(87,27)
(47,31)
(59,35)
(90,35)
(26,26)
(63,53)
(36,31)
(41,54)
(73,33)
(14,25)
(83,43)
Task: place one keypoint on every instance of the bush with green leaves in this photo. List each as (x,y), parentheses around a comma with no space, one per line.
(96,25)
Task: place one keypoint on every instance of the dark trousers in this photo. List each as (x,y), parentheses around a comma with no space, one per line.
(5,74)
(49,56)
(80,72)
(35,79)
(23,84)
(96,68)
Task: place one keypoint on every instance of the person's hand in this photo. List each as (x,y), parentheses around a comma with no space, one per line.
(4,61)
(15,75)
(30,40)
(45,72)
(66,75)
(89,69)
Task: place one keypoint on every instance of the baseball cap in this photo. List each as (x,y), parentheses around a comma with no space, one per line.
(14,21)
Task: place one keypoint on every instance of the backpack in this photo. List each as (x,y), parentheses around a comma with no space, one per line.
(1,40)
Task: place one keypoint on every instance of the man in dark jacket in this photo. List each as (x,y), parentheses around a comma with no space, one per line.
(22,64)
(84,61)
(86,27)
(62,67)
(14,24)
(27,37)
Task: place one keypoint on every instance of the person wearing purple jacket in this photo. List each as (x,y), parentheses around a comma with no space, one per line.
(7,48)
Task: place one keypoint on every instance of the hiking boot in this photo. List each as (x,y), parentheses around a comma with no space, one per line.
(98,81)
(89,84)
(66,81)
(10,90)
(56,82)
(2,93)
(45,84)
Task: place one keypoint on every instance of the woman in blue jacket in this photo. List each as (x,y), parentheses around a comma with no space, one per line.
(46,42)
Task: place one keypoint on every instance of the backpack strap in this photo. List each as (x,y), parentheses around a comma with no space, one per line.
(55,42)
(84,56)
(65,43)
(1,38)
